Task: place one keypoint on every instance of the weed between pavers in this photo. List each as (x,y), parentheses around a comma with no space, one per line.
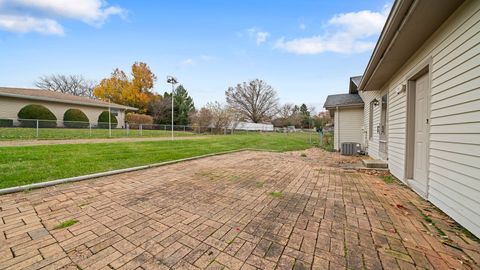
(276,194)
(66,224)
(259,184)
(210,175)
(231,241)
(82,205)
(303,155)
(388,179)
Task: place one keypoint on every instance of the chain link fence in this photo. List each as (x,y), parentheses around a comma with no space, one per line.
(32,129)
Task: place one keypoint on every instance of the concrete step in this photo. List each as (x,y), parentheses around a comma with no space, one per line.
(375,163)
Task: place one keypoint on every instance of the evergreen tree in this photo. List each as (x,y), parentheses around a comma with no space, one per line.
(183,106)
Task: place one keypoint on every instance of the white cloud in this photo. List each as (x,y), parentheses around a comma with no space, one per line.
(89,11)
(262,37)
(187,63)
(259,36)
(345,33)
(43,15)
(302,26)
(24,24)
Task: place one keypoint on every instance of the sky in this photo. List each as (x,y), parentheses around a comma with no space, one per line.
(305,49)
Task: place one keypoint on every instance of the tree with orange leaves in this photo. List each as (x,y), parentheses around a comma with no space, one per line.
(136,92)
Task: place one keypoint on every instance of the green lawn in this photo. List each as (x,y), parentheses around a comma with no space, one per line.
(32,164)
(84,133)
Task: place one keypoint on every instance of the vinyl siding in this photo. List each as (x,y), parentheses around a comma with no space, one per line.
(11,106)
(371,145)
(348,126)
(454,139)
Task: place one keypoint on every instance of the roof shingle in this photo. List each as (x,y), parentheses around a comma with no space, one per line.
(46,95)
(342,100)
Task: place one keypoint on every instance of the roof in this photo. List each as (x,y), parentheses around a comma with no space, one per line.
(47,95)
(343,100)
(409,24)
(354,83)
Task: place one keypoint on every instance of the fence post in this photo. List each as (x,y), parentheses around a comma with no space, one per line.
(184,129)
(90,129)
(128,128)
(37,128)
(141,130)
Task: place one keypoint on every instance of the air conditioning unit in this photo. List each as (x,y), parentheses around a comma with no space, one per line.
(350,149)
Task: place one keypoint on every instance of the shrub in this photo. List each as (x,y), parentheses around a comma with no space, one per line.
(103,120)
(134,120)
(6,123)
(75,118)
(36,112)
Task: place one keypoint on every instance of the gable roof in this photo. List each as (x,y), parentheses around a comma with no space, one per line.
(343,100)
(46,95)
(354,83)
(409,24)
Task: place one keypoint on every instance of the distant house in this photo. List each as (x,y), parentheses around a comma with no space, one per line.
(422,103)
(347,113)
(12,100)
(253,126)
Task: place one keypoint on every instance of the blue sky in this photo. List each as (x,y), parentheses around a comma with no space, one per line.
(305,49)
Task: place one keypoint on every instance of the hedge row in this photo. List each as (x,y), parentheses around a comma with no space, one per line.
(6,123)
(30,113)
(103,120)
(73,118)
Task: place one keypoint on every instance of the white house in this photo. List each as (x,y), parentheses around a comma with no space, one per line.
(12,100)
(347,113)
(421,91)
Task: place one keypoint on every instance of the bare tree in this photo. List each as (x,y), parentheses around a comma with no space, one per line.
(222,116)
(201,119)
(75,85)
(161,110)
(286,110)
(256,101)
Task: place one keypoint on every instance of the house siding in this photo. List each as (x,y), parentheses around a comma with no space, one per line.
(371,145)
(348,126)
(10,107)
(453,52)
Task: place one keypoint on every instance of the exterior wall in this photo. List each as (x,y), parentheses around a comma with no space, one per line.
(372,145)
(348,126)
(453,53)
(9,108)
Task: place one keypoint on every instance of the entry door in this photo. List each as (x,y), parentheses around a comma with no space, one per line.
(420,142)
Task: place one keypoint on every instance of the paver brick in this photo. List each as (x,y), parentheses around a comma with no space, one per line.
(212,214)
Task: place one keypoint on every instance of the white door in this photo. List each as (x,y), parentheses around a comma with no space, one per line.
(420,153)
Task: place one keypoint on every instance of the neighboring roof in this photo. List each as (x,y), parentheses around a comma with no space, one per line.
(46,95)
(409,25)
(354,83)
(343,100)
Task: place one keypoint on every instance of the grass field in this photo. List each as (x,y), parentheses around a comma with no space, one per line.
(85,133)
(32,164)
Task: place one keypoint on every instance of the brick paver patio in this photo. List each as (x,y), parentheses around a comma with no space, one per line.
(239,211)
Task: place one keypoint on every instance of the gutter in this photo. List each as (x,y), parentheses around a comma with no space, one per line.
(345,106)
(113,105)
(369,71)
